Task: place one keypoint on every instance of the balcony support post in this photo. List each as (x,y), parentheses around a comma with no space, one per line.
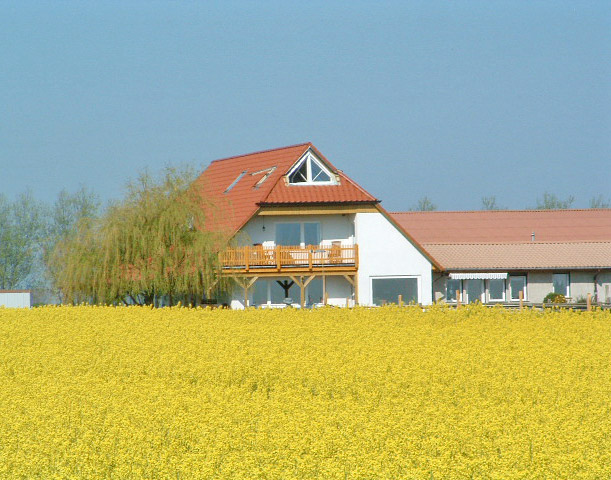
(302,286)
(354,281)
(324,289)
(245,283)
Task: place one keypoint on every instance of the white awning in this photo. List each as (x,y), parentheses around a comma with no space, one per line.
(477,276)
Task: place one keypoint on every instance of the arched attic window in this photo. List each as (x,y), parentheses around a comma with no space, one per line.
(311,171)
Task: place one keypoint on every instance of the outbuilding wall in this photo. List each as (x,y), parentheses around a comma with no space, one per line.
(540,283)
(15,298)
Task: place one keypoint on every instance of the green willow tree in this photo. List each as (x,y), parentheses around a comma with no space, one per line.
(152,247)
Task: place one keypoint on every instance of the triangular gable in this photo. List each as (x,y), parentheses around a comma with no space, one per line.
(311,170)
(343,190)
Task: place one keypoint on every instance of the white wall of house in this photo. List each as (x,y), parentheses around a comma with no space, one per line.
(18,299)
(384,252)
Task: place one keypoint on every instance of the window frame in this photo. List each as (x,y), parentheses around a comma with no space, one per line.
(567,275)
(524,290)
(459,289)
(465,292)
(504,290)
(400,277)
(302,243)
(308,158)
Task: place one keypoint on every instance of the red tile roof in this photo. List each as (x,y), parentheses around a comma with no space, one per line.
(500,226)
(237,205)
(521,256)
(502,239)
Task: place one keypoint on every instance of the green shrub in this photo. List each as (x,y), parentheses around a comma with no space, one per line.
(554,298)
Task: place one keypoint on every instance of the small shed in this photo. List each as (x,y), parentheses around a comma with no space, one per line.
(16,298)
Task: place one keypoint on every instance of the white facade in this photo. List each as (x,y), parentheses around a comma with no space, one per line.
(15,299)
(384,252)
(386,259)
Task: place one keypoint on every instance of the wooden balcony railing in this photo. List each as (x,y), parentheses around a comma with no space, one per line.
(258,258)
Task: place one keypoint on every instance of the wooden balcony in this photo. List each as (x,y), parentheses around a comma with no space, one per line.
(257,259)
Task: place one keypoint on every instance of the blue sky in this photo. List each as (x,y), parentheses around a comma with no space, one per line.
(453,100)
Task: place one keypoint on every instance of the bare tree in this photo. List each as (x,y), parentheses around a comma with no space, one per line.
(424,205)
(489,203)
(600,202)
(552,202)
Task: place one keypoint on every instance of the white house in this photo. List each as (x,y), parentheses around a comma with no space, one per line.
(306,231)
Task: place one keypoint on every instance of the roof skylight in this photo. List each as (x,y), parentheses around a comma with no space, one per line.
(267,172)
(234,183)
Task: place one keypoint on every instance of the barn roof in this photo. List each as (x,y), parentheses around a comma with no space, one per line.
(501,226)
(513,239)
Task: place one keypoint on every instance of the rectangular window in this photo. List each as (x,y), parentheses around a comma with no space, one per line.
(517,284)
(311,233)
(288,234)
(298,234)
(314,292)
(259,292)
(561,283)
(451,286)
(387,290)
(496,290)
(475,290)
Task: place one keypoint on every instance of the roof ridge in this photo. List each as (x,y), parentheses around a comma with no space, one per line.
(503,211)
(568,242)
(341,173)
(261,151)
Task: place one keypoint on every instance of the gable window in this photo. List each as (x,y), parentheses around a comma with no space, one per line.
(310,171)
(561,284)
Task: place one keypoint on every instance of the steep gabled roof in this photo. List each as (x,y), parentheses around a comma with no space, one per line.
(240,185)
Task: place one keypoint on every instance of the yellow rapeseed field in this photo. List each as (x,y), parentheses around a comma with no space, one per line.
(389,393)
